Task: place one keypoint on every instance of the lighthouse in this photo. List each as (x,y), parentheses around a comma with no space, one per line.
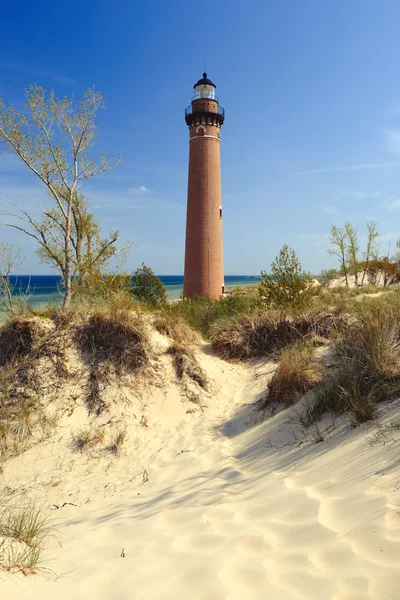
(204,260)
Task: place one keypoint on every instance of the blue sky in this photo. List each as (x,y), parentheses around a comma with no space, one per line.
(311,91)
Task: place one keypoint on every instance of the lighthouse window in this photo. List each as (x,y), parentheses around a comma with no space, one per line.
(220,212)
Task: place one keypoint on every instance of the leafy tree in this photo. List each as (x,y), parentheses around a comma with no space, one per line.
(338,239)
(382,267)
(371,252)
(286,286)
(352,249)
(148,287)
(90,252)
(53,138)
(10,258)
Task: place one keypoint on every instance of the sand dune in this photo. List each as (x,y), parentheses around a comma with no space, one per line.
(216,505)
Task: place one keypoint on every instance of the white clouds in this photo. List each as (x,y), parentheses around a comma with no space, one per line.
(328,209)
(392,203)
(392,138)
(35,72)
(349,167)
(139,191)
(355,195)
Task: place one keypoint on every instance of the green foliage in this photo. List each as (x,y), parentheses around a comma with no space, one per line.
(53,138)
(338,240)
(202,314)
(147,287)
(371,251)
(352,250)
(286,286)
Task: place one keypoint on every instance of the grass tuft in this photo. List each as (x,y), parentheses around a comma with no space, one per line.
(298,372)
(86,438)
(253,337)
(23,532)
(367,368)
(115,338)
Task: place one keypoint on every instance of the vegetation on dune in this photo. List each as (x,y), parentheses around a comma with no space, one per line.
(23,533)
(118,338)
(202,314)
(298,372)
(367,369)
(147,287)
(287,286)
(266,335)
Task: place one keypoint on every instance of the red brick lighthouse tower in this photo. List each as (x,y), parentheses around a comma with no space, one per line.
(204,260)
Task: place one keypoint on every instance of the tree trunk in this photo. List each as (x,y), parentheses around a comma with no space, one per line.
(344,269)
(67,250)
(365,270)
(7,290)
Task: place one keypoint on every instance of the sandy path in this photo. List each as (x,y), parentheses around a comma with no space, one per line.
(227,516)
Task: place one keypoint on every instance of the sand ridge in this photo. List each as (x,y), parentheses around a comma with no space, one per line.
(233,507)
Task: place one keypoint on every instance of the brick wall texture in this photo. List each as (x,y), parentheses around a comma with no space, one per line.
(204,265)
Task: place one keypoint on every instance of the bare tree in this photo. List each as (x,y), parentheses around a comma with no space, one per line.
(371,252)
(53,138)
(338,239)
(10,258)
(352,249)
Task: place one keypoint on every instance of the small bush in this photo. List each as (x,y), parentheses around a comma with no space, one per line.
(297,373)
(148,288)
(286,286)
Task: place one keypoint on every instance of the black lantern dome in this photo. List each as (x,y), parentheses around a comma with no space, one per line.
(204,81)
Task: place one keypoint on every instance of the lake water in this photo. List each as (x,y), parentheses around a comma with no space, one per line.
(44,289)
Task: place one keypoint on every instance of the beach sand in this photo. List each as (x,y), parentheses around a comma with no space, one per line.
(209,502)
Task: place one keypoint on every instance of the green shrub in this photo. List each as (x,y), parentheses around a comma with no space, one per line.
(286,286)
(201,313)
(148,288)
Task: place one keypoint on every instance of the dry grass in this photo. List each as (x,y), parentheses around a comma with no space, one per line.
(115,338)
(267,335)
(368,368)
(174,327)
(117,440)
(298,372)
(87,437)
(23,532)
(186,365)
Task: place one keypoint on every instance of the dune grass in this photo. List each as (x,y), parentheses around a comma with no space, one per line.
(298,372)
(23,532)
(367,368)
(267,335)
